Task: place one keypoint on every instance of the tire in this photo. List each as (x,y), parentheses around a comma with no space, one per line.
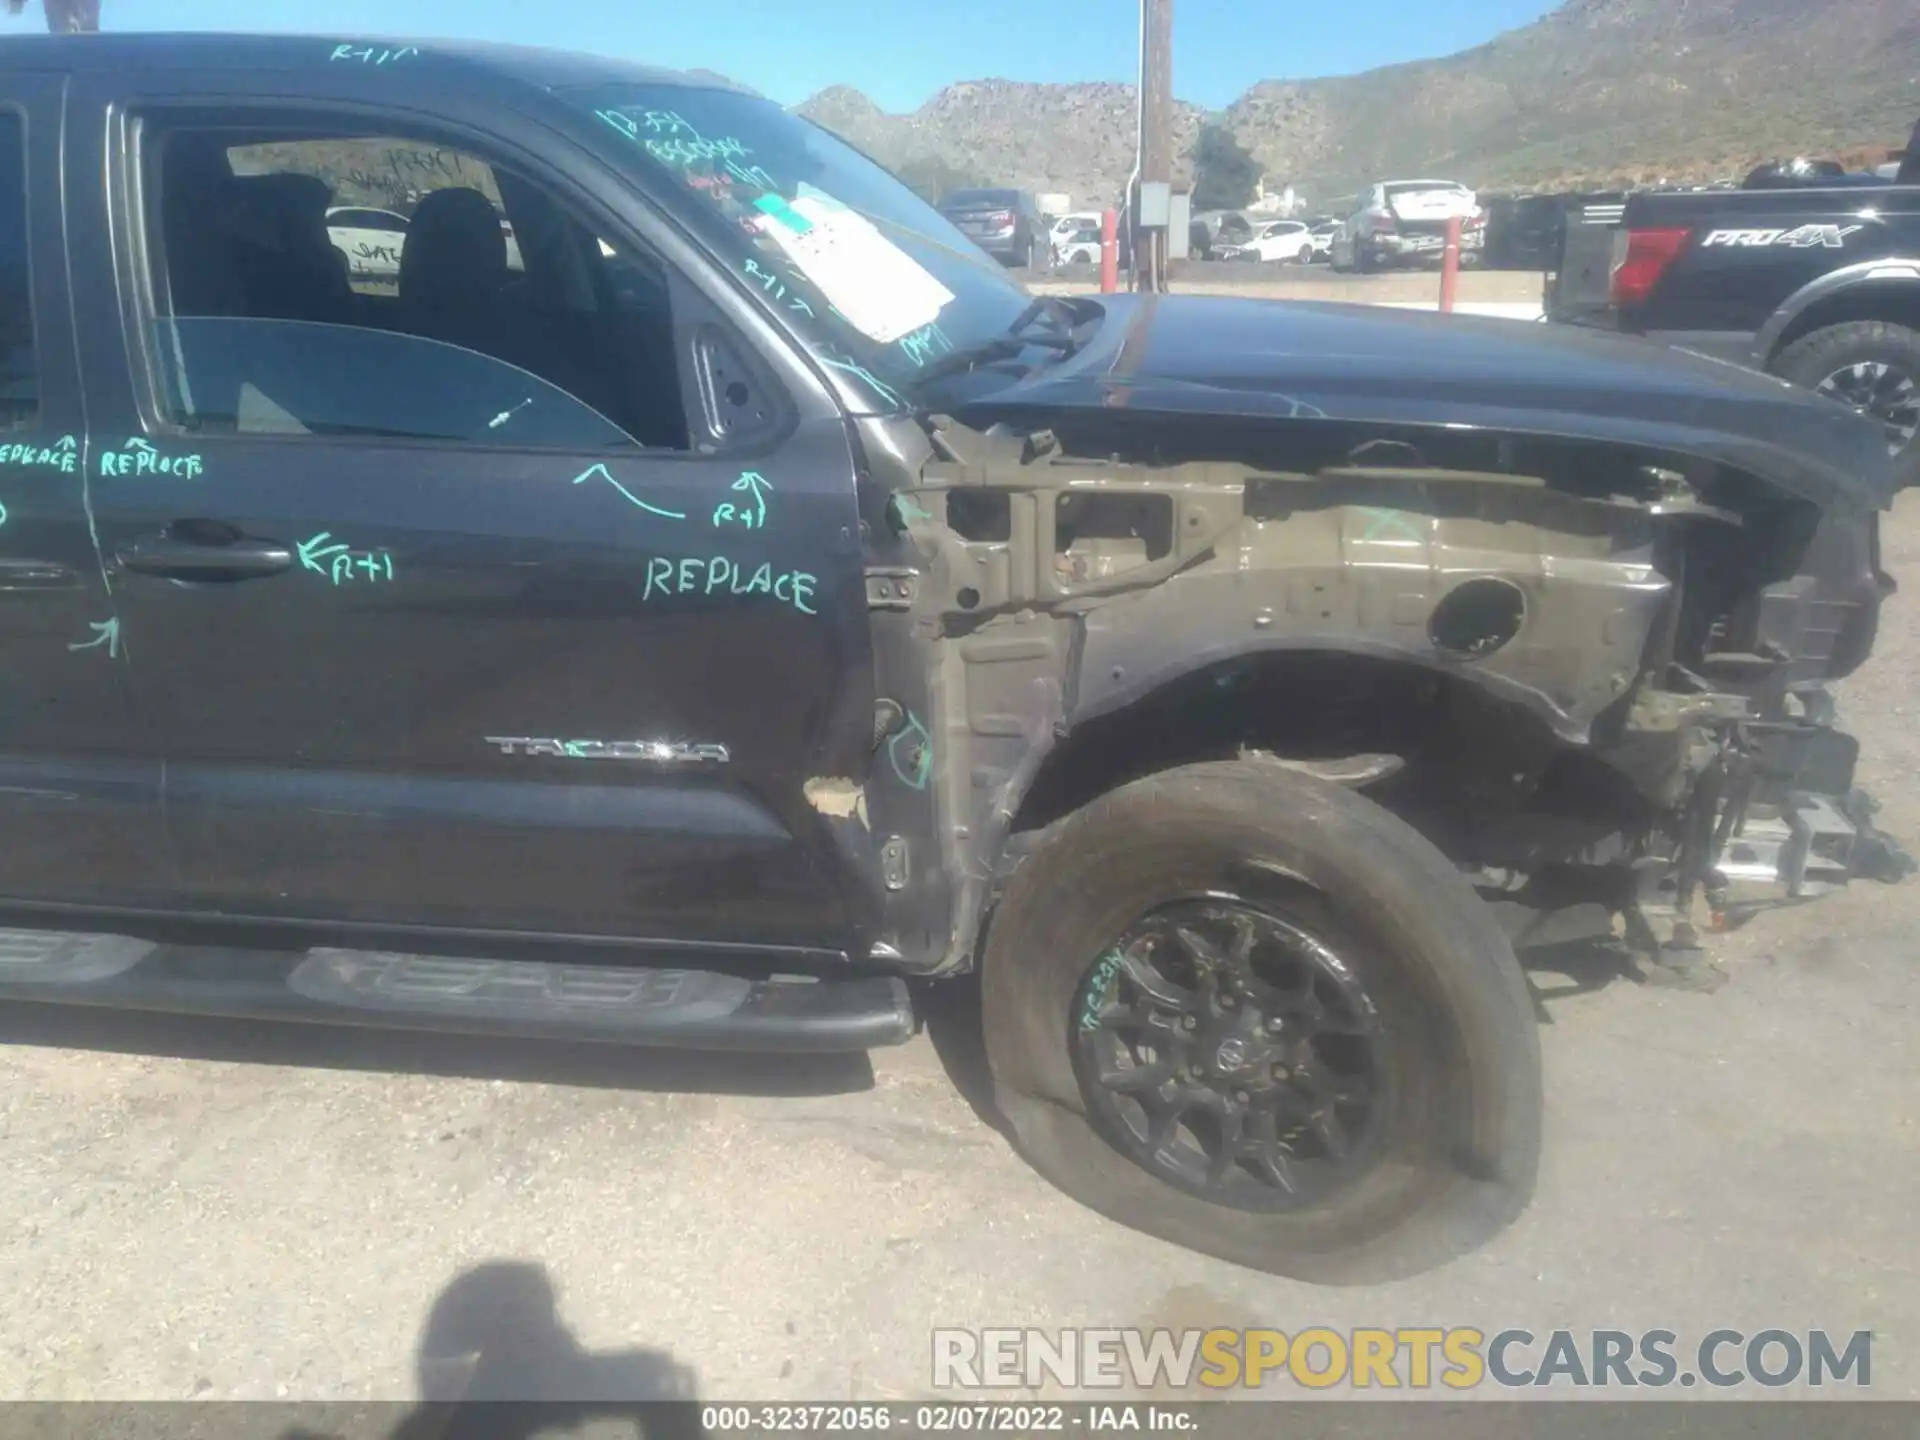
(1365,261)
(1814,359)
(1457,1138)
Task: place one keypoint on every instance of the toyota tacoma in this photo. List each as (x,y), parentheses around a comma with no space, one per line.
(755,601)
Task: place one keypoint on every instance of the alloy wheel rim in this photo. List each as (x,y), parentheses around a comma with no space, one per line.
(1884,391)
(1234,1053)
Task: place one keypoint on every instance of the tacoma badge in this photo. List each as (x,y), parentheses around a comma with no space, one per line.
(658,752)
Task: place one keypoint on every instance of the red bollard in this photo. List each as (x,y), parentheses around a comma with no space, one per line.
(1450,265)
(1109,252)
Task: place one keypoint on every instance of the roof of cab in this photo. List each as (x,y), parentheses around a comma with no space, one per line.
(524,64)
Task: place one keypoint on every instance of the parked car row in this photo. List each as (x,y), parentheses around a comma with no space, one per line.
(1394,222)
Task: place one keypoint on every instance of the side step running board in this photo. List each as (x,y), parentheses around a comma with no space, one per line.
(687,1009)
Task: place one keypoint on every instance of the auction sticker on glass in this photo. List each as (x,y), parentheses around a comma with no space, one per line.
(880,290)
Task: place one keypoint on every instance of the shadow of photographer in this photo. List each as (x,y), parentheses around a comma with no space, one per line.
(496,1361)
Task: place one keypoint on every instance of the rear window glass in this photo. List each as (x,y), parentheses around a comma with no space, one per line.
(19,376)
(984,197)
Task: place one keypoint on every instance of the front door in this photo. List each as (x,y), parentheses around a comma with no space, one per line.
(431,639)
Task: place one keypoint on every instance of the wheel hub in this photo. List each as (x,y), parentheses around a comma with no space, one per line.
(1881,391)
(1230,1056)
(1233,1053)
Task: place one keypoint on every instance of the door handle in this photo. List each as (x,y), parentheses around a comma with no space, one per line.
(180,558)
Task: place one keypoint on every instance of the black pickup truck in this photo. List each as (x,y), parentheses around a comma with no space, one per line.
(1817,281)
(735,597)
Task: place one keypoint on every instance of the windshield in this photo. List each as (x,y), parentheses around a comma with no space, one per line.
(876,281)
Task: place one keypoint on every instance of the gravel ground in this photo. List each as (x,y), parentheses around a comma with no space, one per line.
(206,1209)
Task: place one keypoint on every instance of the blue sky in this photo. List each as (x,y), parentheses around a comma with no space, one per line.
(899,53)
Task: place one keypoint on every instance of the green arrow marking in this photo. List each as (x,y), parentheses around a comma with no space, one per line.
(64,443)
(105,632)
(757,485)
(311,551)
(601,471)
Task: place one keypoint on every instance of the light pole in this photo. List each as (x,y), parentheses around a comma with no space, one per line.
(1150,204)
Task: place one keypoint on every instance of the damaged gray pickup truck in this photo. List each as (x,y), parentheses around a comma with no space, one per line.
(746,599)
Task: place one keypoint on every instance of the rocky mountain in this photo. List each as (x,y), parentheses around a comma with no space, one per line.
(1597,92)
(1075,138)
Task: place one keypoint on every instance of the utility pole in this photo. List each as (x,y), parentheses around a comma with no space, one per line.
(1152,199)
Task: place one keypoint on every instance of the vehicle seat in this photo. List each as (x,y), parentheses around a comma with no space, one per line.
(455,255)
(196,196)
(286,260)
(455,288)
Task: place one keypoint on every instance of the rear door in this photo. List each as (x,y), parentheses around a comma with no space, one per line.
(433,639)
(80,815)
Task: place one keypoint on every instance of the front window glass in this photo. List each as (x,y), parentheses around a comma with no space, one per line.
(876,280)
(238,375)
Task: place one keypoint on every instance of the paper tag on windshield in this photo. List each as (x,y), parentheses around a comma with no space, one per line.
(881,290)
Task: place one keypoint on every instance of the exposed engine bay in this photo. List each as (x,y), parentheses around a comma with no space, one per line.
(1595,677)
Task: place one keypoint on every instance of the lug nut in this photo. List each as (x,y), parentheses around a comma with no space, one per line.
(1187,1022)
(1280,1072)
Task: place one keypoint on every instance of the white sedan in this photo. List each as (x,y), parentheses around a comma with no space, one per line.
(1277,242)
(370,239)
(1067,227)
(1078,247)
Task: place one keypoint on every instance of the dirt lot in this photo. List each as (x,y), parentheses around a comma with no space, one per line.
(215,1210)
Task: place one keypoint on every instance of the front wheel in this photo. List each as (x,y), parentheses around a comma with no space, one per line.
(1873,367)
(1257,1015)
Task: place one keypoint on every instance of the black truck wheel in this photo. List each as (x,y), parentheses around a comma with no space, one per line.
(1257,1015)
(1872,366)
